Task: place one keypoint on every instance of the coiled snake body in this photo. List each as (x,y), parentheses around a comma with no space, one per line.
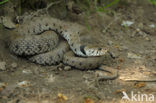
(47,48)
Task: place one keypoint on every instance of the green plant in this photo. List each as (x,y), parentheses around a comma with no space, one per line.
(153,2)
(4,1)
(86,20)
(84,4)
(102,8)
(126,27)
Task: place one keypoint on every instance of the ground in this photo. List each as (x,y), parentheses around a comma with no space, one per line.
(134,49)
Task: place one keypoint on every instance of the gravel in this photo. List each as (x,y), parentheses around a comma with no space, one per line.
(67,68)
(3,66)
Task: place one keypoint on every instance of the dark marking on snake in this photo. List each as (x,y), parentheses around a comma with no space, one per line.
(39,47)
(82,49)
(61,32)
(34,30)
(75,50)
(16,46)
(51,58)
(49,44)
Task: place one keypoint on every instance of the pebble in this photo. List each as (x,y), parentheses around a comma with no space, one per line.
(142,34)
(60,69)
(110,42)
(67,68)
(24,83)
(124,48)
(3,85)
(2,66)
(147,38)
(152,26)
(140,25)
(51,78)
(27,71)
(133,34)
(133,56)
(60,66)
(14,65)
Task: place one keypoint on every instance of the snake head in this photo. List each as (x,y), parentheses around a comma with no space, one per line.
(94,50)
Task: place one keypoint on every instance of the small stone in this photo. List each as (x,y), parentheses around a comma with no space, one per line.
(124,48)
(133,56)
(60,69)
(60,65)
(141,52)
(110,42)
(27,71)
(51,78)
(24,83)
(140,25)
(133,34)
(147,38)
(2,66)
(138,30)
(152,26)
(67,68)
(14,65)
(3,86)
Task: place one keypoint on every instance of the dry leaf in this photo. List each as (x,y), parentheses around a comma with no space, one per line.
(88,100)
(121,60)
(118,67)
(119,91)
(140,85)
(1,89)
(116,46)
(62,97)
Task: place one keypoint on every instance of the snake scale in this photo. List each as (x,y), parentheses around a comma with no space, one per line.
(38,40)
